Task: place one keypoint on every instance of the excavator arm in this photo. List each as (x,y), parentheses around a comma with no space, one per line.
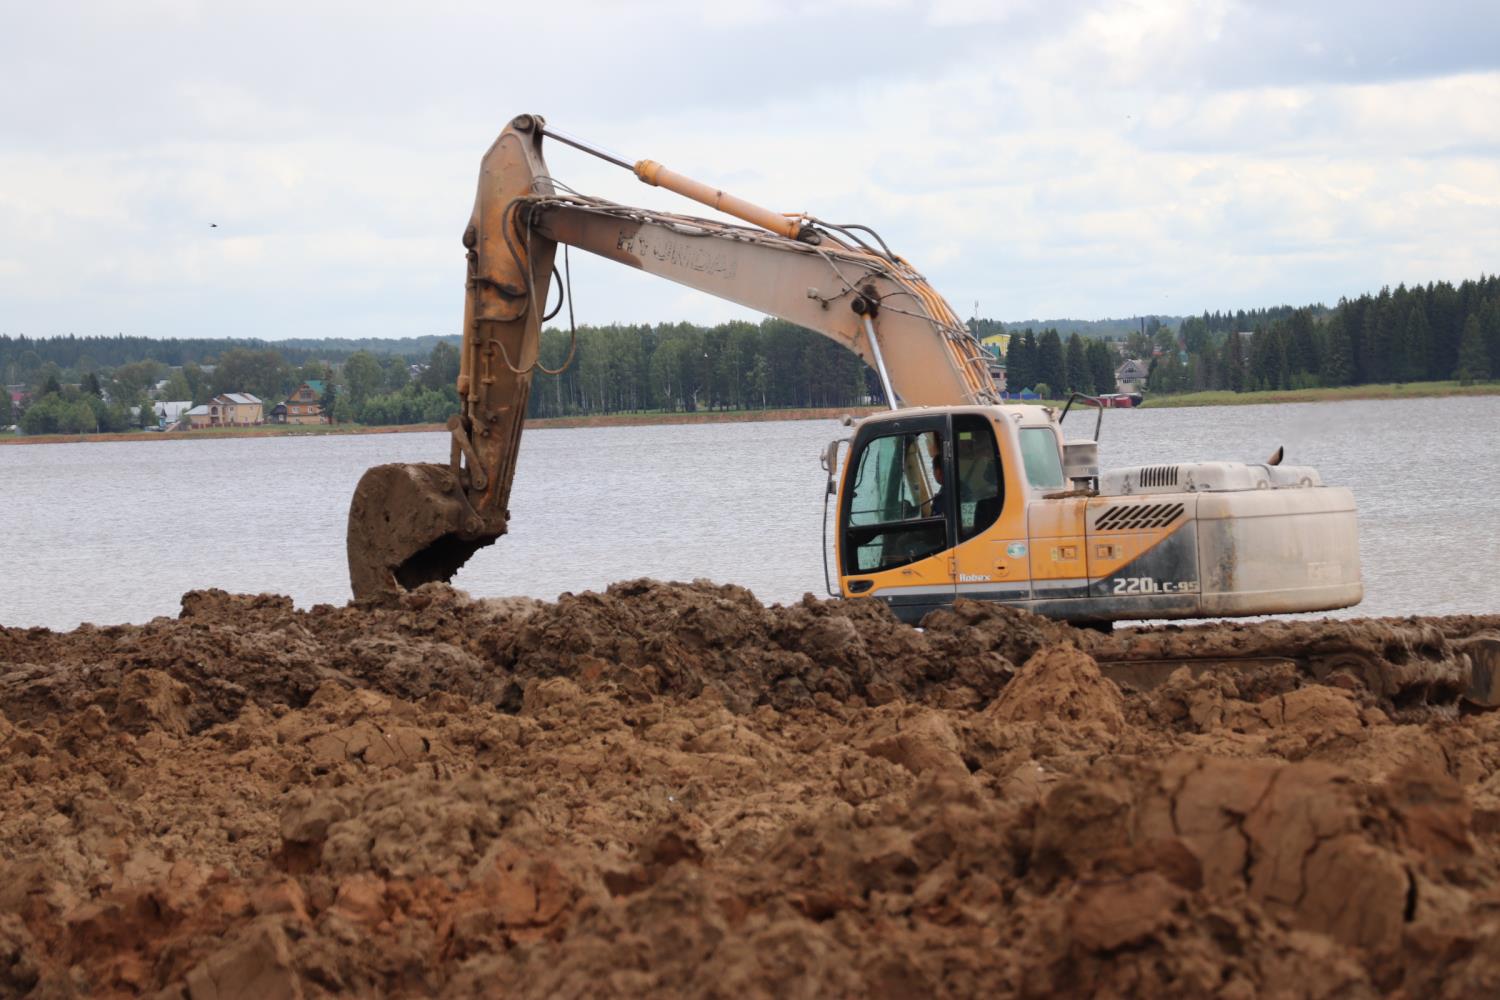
(413,523)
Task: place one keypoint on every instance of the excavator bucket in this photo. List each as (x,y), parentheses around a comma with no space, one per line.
(411,524)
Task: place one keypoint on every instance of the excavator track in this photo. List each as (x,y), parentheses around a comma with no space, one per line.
(1406,665)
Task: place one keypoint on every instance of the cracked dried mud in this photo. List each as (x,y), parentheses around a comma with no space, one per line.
(672,790)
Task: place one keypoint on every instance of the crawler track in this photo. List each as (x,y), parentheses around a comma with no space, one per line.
(1404,663)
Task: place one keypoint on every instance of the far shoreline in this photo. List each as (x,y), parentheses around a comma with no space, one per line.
(540,423)
(1403,390)
(1394,390)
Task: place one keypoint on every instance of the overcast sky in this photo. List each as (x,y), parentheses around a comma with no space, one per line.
(1044,159)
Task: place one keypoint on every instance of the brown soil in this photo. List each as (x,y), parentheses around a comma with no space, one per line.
(673,790)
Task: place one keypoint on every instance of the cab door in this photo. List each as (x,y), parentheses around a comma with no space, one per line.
(991,558)
(896,528)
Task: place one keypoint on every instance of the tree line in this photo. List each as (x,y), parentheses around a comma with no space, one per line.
(80,409)
(610,369)
(21,356)
(614,368)
(1435,332)
(685,367)
(1044,365)
(617,368)
(679,367)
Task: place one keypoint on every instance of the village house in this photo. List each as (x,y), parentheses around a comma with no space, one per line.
(171,411)
(997,345)
(230,409)
(303,406)
(1131,376)
(240,409)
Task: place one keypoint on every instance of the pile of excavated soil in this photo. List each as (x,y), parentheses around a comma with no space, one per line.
(673,790)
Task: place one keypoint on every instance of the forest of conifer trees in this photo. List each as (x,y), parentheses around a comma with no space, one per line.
(1426,333)
(680,366)
(1434,332)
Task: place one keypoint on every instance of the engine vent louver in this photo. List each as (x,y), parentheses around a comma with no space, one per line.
(1139,516)
(1159,475)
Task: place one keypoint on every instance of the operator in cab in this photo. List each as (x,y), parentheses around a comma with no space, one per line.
(978,486)
(939,504)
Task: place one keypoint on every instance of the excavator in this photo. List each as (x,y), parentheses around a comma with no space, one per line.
(951,494)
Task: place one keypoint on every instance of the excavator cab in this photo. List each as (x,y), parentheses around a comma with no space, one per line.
(1025,518)
(920,490)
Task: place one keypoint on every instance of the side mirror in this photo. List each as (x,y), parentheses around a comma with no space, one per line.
(829,456)
(830,462)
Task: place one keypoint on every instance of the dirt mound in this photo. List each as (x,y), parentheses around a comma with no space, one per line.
(657,639)
(1062,686)
(612,794)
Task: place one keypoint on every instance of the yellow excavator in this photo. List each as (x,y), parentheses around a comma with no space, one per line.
(951,493)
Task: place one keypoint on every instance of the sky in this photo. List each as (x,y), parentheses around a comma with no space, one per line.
(1039,158)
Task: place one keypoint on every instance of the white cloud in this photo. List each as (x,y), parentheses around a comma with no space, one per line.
(1043,158)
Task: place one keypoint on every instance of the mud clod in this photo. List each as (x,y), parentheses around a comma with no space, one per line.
(673,790)
(1061,686)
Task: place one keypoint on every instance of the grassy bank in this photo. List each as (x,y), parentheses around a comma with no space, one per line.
(597,420)
(1400,390)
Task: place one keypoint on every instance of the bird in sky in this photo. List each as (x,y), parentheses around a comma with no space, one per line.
(213,225)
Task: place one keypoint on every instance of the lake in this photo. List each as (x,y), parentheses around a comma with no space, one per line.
(115,532)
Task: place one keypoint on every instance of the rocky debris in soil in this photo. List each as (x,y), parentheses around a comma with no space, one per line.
(670,789)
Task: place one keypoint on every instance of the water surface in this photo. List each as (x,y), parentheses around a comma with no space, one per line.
(116,531)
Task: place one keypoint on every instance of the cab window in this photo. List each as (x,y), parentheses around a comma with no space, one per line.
(981,488)
(892,520)
(1040,455)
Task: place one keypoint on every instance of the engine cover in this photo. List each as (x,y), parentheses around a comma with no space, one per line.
(1205,477)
